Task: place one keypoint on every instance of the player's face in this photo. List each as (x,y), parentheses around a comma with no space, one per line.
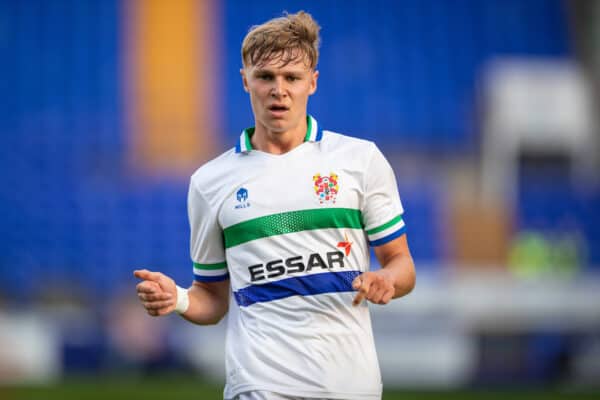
(279,94)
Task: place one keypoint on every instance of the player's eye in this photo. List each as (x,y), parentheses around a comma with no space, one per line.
(265,77)
(292,78)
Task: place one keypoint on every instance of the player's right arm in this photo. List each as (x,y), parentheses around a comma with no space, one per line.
(208,301)
(209,294)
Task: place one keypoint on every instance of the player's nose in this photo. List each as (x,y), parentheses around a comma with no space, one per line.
(278,89)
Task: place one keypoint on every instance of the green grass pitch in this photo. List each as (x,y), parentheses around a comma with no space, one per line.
(191,388)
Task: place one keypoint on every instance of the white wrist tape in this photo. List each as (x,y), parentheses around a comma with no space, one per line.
(183,300)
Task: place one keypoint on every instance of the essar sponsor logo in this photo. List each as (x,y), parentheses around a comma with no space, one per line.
(295,264)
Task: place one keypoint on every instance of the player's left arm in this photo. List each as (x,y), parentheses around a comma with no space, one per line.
(396,277)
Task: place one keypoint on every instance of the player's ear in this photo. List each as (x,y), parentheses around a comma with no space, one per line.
(313,81)
(244,80)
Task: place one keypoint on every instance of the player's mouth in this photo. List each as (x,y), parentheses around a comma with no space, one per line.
(278,110)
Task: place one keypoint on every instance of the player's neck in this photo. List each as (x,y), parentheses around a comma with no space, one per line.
(278,142)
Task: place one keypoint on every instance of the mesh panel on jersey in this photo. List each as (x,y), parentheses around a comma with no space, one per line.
(289,222)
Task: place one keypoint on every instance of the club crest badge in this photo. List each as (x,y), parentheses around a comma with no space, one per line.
(326,187)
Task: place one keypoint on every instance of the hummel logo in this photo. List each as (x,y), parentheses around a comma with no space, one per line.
(242,198)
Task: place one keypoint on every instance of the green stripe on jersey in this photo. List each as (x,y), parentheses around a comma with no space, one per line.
(249,133)
(211,267)
(290,222)
(385,226)
(308,128)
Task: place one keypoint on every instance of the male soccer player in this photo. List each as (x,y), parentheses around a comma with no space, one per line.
(280,229)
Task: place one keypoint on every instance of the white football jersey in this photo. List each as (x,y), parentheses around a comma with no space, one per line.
(291,232)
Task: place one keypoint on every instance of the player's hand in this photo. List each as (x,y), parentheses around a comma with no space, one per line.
(376,287)
(157,292)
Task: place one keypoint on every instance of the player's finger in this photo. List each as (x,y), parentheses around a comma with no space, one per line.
(147,287)
(147,275)
(157,305)
(362,283)
(163,311)
(358,299)
(367,283)
(154,296)
(141,273)
(374,289)
(375,296)
(153,313)
(387,297)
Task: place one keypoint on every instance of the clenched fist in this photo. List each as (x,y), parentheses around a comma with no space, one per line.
(157,292)
(376,287)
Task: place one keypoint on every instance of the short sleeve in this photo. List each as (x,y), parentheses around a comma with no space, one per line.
(206,241)
(382,209)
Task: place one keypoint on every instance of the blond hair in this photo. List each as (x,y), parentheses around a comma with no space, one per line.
(286,38)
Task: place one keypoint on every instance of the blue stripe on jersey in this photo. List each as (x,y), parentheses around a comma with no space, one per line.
(389,237)
(217,278)
(319,135)
(327,282)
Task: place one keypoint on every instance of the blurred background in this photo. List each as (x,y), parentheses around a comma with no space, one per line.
(488,110)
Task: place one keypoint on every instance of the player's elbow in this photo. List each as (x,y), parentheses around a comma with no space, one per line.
(216,318)
(412,281)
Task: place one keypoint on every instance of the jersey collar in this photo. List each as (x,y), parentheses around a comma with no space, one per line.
(313,134)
